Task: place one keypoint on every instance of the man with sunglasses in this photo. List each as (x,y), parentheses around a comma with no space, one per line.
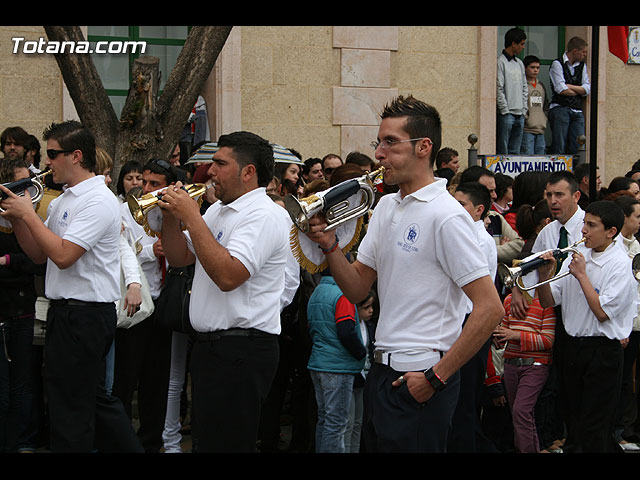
(80,243)
(143,352)
(330,162)
(423,249)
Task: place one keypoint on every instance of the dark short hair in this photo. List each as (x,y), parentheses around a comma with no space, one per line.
(478,195)
(423,120)
(128,167)
(445,155)
(72,135)
(309,163)
(626,202)
(474,173)
(503,182)
(619,184)
(609,213)
(581,171)
(529,59)
(162,167)
(360,159)
(251,149)
(565,175)
(514,35)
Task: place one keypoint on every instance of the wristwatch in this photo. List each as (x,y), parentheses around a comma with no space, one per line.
(434,380)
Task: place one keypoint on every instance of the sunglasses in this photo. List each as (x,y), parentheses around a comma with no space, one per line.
(329,170)
(51,153)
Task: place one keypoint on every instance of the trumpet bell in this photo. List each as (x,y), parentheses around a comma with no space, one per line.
(35,187)
(143,207)
(341,203)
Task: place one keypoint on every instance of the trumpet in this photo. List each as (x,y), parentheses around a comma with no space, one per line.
(19,187)
(143,208)
(511,276)
(334,202)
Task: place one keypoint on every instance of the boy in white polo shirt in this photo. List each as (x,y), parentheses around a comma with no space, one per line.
(599,301)
(422,247)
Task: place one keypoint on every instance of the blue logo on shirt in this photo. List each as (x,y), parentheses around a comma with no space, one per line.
(411,234)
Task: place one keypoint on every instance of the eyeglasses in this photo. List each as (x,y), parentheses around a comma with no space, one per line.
(328,170)
(51,153)
(388,143)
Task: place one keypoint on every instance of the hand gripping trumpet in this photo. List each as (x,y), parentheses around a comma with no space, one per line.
(511,276)
(143,208)
(334,202)
(20,186)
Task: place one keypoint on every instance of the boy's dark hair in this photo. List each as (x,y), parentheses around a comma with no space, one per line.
(360,159)
(609,213)
(503,182)
(445,155)
(162,167)
(530,59)
(565,175)
(581,171)
(478,195)
(474,173)
(72,135)
(251,149)
(423,120)
(514,35)
(626,202)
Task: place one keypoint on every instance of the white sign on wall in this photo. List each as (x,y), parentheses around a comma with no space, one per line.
(513,165)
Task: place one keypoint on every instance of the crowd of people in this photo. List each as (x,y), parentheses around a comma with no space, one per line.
(405,338)
(525,106)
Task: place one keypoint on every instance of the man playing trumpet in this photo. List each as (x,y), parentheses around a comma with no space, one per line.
(422,247)
(80,243)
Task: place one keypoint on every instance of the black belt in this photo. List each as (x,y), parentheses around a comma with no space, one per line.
(522,362)
(232,332)
(595,340)
(77,303)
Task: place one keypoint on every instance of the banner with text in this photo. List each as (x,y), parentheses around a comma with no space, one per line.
(513,165)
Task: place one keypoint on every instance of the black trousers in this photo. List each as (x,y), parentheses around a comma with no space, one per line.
(82,417)
(230,379)
(592,375)
(393,422)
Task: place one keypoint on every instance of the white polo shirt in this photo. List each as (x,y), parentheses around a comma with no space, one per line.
(610,275)
(256,233)
(424,248)
(490,251)
(150,264)
(87,214)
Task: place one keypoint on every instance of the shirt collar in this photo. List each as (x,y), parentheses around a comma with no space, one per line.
(507,56)
(426,193)
(576,219)
(600,259)
(565,59)
(246,199)
(86,185)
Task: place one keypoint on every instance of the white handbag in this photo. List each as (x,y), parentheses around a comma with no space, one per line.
(146,307)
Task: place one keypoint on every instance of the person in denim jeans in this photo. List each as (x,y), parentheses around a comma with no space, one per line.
(570,84)
(337,355)
(17,313)
(512,94)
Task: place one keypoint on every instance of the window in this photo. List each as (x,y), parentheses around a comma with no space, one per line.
(164,42)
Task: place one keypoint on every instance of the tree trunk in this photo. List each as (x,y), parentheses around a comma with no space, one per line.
(149,126)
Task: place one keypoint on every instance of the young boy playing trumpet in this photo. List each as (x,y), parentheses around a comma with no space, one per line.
(598,301)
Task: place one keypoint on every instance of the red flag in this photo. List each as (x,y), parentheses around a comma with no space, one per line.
(618,43)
